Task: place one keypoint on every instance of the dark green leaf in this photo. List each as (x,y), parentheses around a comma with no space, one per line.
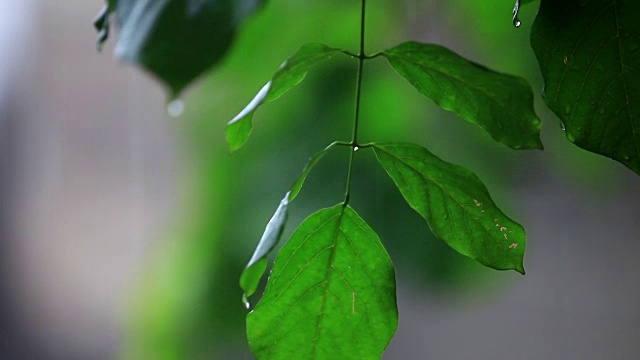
(290,74)
(252,273)
(588,54)
(456,205)
(177,40)
(331,294)
(297,185)
(499,103)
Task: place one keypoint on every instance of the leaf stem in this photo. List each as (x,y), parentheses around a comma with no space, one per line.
(356,121)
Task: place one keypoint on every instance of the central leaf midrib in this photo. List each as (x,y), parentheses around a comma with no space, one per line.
(329,273)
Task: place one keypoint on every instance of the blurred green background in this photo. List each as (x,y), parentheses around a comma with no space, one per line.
(191,213)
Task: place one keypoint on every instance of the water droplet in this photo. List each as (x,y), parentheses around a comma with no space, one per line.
(175,108)
(562,126)
(246,302)
(567,109)
(516,8)
(571,136)
(355,148)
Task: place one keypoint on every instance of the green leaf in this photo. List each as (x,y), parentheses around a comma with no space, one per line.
(501,104)
(456,205)
(588,54)
(252,273)
(331,294)
(290,74)
(177,40)
(297,185)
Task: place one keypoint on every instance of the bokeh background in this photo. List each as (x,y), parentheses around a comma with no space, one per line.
(123,230)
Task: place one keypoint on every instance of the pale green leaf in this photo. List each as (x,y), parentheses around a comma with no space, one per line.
(331,294)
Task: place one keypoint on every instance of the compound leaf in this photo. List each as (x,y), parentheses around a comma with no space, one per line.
(456,205)
(176,40)
(331,294)
(588,54)
(290,74)
(499,103)
(252,273)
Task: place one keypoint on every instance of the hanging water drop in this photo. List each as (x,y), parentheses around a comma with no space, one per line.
(246,302)
(516,9)
(175,108)
(356,148)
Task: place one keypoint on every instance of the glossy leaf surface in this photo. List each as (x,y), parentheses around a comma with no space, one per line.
(331,294)
(177,40)
(456,205)
(499,103)
(290,74)
(588,54)
(252,273)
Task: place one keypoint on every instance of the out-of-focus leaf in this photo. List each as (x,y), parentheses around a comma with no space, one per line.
(176,40)
(331,294)
(290,74)
(101,23)
(252,273)
(456,205)
(588,54)
(501,104)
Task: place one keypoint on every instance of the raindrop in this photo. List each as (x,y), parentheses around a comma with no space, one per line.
(246,302)
(516,8)
(571,136)
(175,108)
(355,148)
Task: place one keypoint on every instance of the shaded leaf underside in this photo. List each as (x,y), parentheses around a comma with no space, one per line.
(176,40)
(589,58)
